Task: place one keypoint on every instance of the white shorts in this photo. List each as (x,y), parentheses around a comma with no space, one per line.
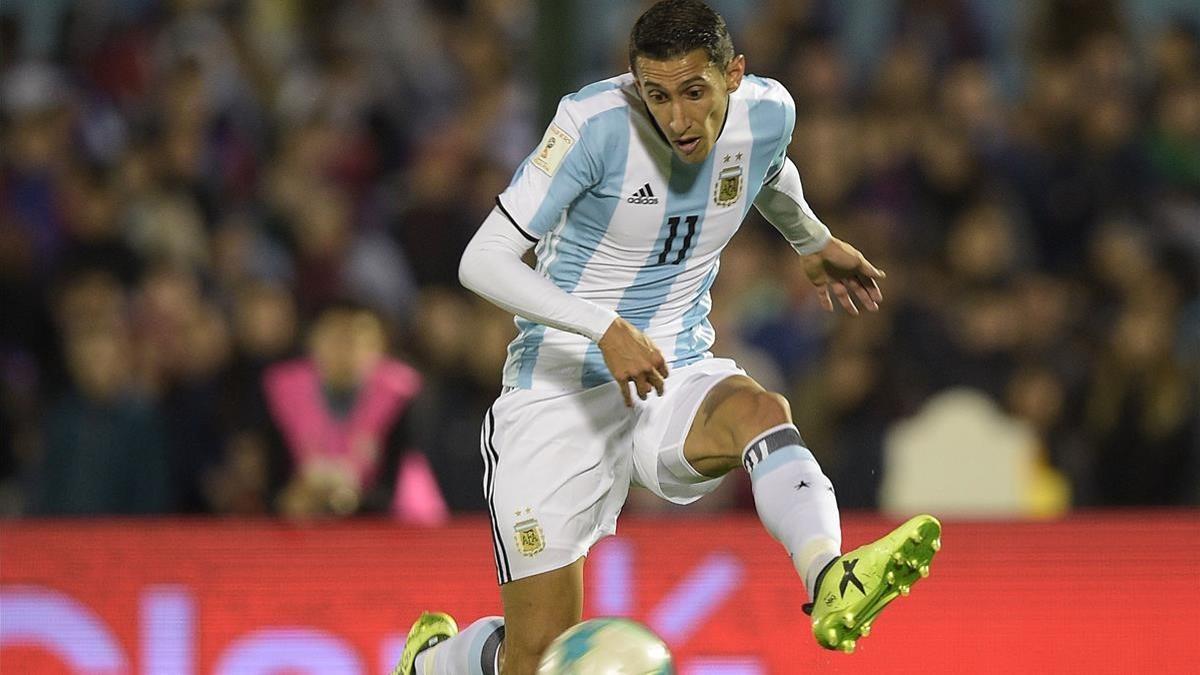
(558,465)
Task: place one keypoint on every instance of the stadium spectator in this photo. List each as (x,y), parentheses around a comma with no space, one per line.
(209,174)
(340,412)
(105,449)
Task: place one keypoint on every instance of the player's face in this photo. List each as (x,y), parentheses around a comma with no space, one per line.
(688,97)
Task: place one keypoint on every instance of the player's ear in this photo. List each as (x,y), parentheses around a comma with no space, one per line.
(734,72)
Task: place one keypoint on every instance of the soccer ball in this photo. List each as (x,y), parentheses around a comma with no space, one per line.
(607,646)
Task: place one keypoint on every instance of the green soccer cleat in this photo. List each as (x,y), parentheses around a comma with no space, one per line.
(429,629)
(852,589)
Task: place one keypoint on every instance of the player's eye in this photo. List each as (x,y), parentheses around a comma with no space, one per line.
(657,97)
(695,93)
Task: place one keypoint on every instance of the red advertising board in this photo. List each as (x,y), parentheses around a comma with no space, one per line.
(1091,594)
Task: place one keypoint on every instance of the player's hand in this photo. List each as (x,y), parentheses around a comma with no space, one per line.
(632,357)
(841,270)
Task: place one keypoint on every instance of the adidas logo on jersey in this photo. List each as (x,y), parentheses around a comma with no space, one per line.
(643,196)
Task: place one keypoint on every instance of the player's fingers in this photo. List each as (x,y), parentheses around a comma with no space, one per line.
(862,294)
(643,386)
(660,365)
(869,270)
(624,385)
(872,288)
(656,381)
(843,296)
(823,297)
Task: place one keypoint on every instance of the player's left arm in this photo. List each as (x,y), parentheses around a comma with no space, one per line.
(832,265)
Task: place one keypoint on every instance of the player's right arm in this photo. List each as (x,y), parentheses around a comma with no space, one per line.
(555,175)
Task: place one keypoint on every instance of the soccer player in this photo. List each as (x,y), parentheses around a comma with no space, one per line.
(635,189)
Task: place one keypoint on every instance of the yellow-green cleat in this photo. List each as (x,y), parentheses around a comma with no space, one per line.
(429,629)
(854,588)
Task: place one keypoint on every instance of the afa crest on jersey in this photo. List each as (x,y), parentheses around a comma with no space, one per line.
(729,186)
(530,538)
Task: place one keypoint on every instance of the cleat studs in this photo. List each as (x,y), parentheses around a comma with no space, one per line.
(905,589)
(915,537)
(865,630)
(831,637)
(898,556)
(913,563)
(848,620)
(847,646)
(936,544)
(891,577)
(923,570)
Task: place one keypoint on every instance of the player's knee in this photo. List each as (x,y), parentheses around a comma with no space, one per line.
(784,408)
(736,411)
(762,410)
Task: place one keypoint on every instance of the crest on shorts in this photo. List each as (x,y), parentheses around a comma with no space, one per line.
(729,186)
(530,538)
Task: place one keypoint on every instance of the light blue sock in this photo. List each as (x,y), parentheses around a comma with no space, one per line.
(795,500)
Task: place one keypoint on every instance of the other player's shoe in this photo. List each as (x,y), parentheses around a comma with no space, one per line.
(429,629)
(852,589)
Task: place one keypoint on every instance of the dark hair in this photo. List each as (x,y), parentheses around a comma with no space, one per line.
(672,28)
(344,304)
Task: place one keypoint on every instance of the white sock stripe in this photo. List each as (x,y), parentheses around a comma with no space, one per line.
(754,455)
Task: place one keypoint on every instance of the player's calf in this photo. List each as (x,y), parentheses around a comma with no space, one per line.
(741,424)
(521,652)
(538,609)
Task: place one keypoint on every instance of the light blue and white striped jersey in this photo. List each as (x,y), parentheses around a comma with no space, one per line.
(621,221)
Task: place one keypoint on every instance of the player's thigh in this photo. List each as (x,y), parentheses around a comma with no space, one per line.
(733,413)
(664,427)
(556,474)
(536,610)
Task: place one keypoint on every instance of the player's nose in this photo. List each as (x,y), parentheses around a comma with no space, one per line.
(679,123)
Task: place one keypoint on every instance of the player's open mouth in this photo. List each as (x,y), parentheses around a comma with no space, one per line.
(687,146)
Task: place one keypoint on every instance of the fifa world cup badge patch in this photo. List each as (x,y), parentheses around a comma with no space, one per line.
(530,539)
(729,186)
(555,145)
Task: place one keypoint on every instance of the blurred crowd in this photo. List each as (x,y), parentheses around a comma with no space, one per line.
(229,235)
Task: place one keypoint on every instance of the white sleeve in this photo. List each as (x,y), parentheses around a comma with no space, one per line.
(492,267)
(781,202)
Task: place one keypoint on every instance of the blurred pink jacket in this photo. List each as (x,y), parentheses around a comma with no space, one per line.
(354,443)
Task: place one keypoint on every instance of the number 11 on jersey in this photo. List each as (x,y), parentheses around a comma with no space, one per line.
(673,221)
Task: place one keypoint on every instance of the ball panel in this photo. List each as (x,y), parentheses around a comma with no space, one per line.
(607,646)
